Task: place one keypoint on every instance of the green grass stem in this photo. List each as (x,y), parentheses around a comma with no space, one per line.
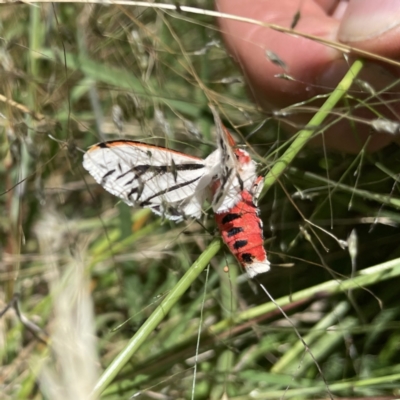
(364,194)
(305,134)
(156,317)
(290,358)
(364,278)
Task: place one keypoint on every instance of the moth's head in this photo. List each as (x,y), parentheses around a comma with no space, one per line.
(242,156)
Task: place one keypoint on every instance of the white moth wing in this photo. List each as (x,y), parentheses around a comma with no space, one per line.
(236,170)
(170,183)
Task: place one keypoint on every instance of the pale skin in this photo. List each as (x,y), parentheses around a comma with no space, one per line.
(370,25)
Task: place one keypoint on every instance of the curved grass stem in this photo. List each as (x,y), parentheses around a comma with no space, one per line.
(156,317)
(305,134)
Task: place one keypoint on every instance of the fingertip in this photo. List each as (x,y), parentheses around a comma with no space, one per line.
(302,59)
(373,26)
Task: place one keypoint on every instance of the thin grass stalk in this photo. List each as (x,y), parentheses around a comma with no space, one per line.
(323,348)
(226,360)
(156,317)
(356,386)
(376,274)
(287,360)
(372,275)
(26,159)
(113,244)
(305,134)
(362,193)
(119,78)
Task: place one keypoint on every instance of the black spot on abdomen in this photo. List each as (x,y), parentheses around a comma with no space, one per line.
(239,244)
(234,231)
(247,258)
(230,217)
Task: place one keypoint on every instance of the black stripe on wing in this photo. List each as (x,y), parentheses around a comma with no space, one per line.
(157,170)
(147,202)
(139,170)
(223,181)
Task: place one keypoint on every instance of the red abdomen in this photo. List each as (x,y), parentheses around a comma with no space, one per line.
(241,230)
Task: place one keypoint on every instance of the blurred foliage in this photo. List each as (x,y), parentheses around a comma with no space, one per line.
(73,75)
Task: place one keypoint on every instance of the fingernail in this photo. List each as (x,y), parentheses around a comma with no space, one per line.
(367,19)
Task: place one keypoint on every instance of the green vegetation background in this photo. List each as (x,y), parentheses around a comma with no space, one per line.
(90,270)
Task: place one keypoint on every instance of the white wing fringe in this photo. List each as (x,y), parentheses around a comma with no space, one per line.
(257,268)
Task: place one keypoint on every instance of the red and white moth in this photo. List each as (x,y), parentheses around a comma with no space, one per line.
(175,185)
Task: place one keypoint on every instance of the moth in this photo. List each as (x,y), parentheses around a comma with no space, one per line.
(176,185)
